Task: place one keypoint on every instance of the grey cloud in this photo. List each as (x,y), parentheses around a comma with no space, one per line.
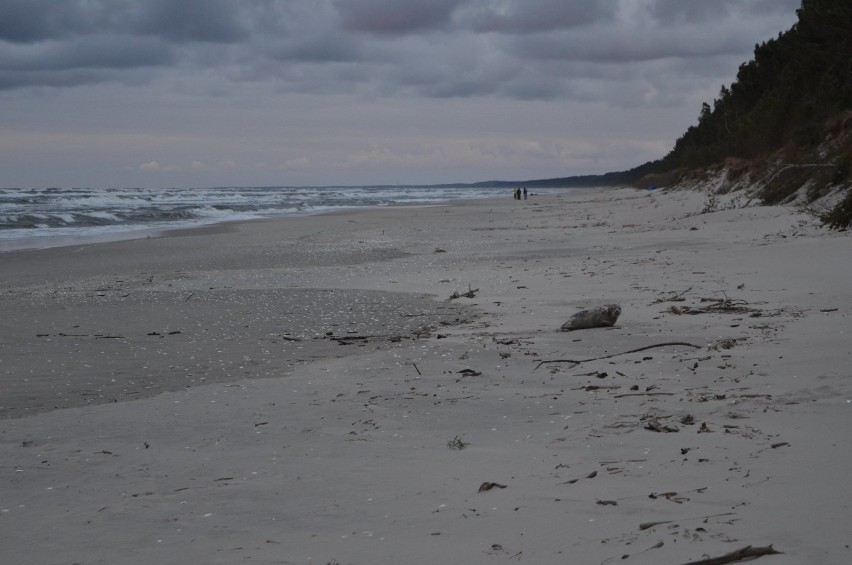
(10,80)
(671,12)
(521,49)
(111,52)
(66,37)
(214,21)
(690,11)
(519,16)
(85,61)
(29,21)
(298,31)
(317,51)
(383,17)
(639,41)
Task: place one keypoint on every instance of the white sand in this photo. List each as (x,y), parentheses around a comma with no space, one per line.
(345,459)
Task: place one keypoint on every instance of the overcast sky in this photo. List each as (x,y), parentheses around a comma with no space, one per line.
(293,92)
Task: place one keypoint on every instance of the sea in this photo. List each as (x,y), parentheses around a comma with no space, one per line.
(50,217)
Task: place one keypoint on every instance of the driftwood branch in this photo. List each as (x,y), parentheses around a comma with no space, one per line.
(348,339)
(644,394)
(471,293)
(577,362)
(674,298)
(747,552)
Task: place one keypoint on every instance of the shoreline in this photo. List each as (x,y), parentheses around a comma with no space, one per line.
(343,453)
(127,232)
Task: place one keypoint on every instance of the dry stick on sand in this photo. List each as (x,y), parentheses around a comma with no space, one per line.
(747,552)
(471,293)
(644,394)
(675,298)
(617,354)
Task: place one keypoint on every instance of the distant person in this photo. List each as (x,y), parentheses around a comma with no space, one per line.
(525,193)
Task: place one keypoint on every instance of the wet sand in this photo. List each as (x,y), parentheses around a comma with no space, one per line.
(713,416)
(128,320)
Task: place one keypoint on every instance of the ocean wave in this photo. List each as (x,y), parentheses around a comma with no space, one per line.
(35,213)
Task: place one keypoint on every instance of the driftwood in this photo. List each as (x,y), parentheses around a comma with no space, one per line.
(471,293)
(591,475)
(648,525)
(644,394)
(577,362)
(674,298)
(656,426)
(747,552)
(486,486)
(350,339)
(717,306)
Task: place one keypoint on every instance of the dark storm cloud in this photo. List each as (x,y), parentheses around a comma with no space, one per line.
(522,49)
(29,21)
(76,41)
(214,21)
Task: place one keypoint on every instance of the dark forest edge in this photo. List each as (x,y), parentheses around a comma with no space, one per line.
(782,130)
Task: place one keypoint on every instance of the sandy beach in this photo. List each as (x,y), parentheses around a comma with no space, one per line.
(306,391)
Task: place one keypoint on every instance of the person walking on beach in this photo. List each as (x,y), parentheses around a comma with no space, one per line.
(525,193)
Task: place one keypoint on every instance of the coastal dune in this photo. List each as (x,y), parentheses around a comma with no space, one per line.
(391,386)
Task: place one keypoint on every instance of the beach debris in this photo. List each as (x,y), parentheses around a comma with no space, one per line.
(748,552)
(469,373)
(457,444)
(656,426)
(674,297)
(718,306)
(471,293)
(591,388)
(600,317)
(606,502)
(671,496)
(577,362)
(726,343)
(484,487)
(644,394)
(439,250)
(350,339)
(649,525)
(591,475)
